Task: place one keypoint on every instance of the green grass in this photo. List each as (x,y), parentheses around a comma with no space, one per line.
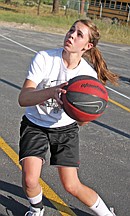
(114,33)
(46,21)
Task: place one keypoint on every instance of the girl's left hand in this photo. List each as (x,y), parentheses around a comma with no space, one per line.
(82,123)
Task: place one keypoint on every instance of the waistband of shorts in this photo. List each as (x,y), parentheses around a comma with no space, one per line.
(28,122)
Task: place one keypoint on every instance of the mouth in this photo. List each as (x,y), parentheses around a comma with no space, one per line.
(68,42)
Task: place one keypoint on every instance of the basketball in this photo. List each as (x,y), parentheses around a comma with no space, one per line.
(86,98)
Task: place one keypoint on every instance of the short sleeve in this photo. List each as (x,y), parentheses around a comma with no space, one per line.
(37,68)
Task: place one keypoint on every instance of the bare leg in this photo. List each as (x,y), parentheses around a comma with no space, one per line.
(31,170)
(72,184)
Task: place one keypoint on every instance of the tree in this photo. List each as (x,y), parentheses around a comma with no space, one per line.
(38,7)
(82,6)
(7,1)
(55,8)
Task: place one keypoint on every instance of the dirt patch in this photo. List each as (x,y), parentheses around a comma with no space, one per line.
(28,26)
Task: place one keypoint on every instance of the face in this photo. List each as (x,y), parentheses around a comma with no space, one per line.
(77,39)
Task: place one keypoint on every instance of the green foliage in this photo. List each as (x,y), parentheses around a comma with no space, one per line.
(60,23)
(48,2)
(29,3)
(63,2)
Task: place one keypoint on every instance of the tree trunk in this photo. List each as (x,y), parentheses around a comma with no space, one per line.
(38,7)
(82,7)
(7,1)
(55,8)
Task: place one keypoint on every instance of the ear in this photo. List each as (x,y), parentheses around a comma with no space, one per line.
(88,46)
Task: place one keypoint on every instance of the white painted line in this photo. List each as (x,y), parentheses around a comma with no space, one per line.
(18,43)
(36,52)
(118,92)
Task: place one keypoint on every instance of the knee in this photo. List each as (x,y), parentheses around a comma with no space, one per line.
(29,182)
(71,188)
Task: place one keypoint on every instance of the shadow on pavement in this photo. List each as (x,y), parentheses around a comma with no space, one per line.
(17,209)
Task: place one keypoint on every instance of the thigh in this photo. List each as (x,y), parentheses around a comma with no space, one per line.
(68,175)
(64,146)
(33,140)
(69,179)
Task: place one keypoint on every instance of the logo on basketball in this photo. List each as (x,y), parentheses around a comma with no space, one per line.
(97,104)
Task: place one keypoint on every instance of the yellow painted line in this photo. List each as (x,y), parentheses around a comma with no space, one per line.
(120,105)
(10,152)
(48,192)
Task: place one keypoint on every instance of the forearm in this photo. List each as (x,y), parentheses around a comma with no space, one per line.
(31,96)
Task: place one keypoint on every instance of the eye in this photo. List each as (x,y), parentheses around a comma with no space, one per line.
(80,34)
(72,30)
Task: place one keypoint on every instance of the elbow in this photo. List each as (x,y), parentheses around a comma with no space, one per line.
(21,101)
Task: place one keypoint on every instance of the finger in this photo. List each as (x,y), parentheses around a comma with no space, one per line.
(63,84)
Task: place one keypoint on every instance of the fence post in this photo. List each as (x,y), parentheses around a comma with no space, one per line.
(128,19)
(100,9)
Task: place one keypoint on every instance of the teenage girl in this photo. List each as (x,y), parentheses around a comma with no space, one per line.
(45,122)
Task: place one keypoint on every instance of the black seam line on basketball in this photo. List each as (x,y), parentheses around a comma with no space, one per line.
(90,104)
(83,77)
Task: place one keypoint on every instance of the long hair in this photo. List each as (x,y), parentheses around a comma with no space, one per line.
(95,57)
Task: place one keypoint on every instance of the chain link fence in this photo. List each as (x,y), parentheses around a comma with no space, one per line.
(74,5)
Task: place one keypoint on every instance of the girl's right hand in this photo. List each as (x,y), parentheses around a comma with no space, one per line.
(58,90)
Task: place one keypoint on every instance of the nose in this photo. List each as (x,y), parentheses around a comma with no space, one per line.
(72,34)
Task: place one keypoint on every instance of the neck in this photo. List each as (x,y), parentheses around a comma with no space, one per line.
(71,60)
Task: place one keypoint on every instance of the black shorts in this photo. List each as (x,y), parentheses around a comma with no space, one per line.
(63,141)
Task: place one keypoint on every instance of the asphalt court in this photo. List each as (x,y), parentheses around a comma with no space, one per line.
(104,143)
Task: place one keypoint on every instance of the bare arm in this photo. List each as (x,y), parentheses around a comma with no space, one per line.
(30,96)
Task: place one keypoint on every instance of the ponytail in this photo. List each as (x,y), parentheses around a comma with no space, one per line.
(94,55)
(95,58)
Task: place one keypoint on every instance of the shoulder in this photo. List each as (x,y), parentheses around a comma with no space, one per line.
(87,68)
(43,57)
(51,52)
(86,63)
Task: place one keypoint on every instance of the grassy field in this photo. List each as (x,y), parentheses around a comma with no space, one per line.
(24,16)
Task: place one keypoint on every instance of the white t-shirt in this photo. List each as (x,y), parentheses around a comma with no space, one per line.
(47,69)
